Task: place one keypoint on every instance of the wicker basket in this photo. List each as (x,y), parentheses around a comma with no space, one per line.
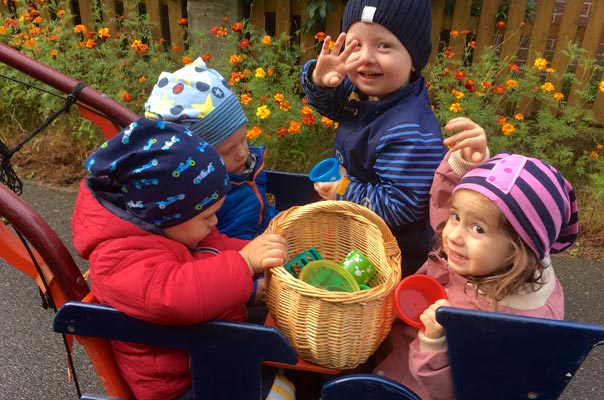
(334,329)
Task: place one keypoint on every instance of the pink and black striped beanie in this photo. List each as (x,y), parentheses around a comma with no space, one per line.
(533,196)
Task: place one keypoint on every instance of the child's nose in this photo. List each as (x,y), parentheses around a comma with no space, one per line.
(367,55)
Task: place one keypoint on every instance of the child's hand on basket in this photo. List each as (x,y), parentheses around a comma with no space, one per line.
(265,251)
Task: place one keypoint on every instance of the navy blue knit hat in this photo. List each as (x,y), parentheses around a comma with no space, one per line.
(167,174)
(409,20)
(199,98)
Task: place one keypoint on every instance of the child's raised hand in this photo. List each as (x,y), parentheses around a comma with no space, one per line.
(432,329)
(472,140)
(327,190)
(265,251)
(330,69)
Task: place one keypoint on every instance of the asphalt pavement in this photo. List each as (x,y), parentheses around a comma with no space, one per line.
(33,363)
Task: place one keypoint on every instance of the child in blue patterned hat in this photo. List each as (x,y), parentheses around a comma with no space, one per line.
(198,97)
(145,218)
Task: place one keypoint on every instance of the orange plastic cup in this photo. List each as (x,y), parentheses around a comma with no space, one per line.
(414,294)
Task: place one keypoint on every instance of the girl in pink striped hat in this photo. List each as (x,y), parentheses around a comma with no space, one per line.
(498,220)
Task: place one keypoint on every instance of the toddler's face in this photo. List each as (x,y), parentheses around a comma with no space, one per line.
(234,150)
(195,229)
(386,65)
(473,238)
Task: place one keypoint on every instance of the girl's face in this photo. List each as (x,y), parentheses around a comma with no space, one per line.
(473,238)
(193,231)
(234,150)
(386,65)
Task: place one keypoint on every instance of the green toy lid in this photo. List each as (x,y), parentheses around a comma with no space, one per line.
(329,276)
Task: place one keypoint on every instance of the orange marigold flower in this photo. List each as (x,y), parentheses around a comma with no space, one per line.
(326,122)
(507,129)
(320,36)
(237,27)
(90,43)
(206,57)
(244,44)
(457,94)
(282,132)
(175,49)
(501,120)
(3,30)
(254,132)
(270,71)
(245,98)
(454,34)
(470,85)
(294,127)
(511,84)
(599,146)
(61,13)
(559,96)
(519,116)
(472,44)
(460,75)
(234,59)
(499,89)
(594,154)
(279,97)
(449,53)
(266,40)
(54,53)
(183,22)
(285,106)
(142,79)
(549,70)
(79,28)
(514,68)
(186,60)
(466,32)
(235,77)
(37,20)
(127,97)
(500,24)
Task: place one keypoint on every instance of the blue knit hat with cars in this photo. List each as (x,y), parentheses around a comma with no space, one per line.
(167,174)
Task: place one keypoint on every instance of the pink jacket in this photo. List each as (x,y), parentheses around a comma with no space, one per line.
(148,276)
(422,364)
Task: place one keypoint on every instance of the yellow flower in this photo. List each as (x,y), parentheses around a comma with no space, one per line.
(540,63)
(455,107)
(558,96)
(507,129)
(511,84)
(266,40)
(457,94)
(104,33)
(547,87)
(260,73)
(254,132)
(601,86)
(263,112)
(549,70)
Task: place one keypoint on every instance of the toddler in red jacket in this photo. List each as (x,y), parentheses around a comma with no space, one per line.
(145,218)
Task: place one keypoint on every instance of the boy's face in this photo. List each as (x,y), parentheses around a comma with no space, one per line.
(386,65)
(234,150)
(195,229)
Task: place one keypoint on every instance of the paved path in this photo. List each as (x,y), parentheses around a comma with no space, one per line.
(33,361)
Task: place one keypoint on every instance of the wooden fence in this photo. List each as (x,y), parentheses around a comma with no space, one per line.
(531,28)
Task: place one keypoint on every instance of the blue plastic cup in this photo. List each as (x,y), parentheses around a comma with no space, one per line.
(327,170)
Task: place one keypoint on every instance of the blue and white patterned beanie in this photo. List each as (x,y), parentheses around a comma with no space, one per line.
(167,174)
(199,98)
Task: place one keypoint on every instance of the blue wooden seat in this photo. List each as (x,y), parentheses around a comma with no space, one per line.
(366,387)
(504,356)
(225,356)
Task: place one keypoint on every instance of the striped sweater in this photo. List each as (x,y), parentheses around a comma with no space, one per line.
(390,149)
